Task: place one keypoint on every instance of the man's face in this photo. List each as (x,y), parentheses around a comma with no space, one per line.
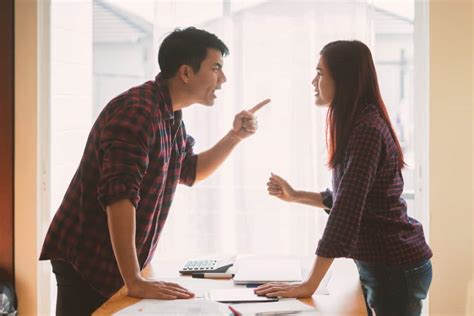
(208,79)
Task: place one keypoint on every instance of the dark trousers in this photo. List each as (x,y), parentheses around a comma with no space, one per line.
(75,296)
(395,290)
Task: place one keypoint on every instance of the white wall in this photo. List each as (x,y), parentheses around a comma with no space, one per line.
(118,67)
(71,90)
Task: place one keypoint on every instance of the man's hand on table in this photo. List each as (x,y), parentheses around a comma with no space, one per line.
(142,288)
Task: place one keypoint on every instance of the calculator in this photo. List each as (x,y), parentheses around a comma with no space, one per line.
(209,265)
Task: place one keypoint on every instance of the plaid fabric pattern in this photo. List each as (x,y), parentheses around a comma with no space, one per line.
(368,219)
(137,149)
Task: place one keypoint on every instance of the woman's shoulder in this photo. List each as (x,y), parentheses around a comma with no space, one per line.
(370,119)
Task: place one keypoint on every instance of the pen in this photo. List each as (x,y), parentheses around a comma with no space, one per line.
(213,275)
(234,311)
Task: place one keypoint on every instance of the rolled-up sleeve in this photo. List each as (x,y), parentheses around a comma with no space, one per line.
(360,167)
(124,146)
(327,200)
(189,164)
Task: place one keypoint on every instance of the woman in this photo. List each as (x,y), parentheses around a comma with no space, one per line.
(368,219)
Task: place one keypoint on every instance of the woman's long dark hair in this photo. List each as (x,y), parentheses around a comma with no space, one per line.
(353,71)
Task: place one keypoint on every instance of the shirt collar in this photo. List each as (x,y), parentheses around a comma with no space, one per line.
(165,103)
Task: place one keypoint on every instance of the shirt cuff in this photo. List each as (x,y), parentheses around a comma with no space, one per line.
(188,171)
(117,190)
(330,250)
(327,200)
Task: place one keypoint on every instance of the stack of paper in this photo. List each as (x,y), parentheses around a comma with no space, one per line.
(198,307)
(282,307)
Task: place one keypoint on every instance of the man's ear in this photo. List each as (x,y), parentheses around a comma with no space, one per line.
(185,72)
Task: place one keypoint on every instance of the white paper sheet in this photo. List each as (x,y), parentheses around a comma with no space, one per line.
(195,307)
(200,286)
(283,306)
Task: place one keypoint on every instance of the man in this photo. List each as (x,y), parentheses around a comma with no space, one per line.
(108,225)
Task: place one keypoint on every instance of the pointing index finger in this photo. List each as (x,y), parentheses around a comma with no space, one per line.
(259,106)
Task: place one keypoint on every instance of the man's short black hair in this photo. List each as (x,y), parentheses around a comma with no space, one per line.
(187,47)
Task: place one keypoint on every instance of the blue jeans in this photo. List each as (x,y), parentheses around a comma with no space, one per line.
(395,290)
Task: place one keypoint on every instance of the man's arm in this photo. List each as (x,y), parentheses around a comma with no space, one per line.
(245,124)
(209,160)
(121,221)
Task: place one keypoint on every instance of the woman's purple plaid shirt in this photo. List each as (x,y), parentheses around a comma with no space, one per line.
(368,219)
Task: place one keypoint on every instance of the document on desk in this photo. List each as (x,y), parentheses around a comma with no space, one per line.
(199,307)
(261,271)
(282,307)
(237,295)
(200,286)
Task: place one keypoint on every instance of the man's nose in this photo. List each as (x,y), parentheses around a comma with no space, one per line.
(223,78)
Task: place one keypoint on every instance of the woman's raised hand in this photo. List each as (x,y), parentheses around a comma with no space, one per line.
(280,188)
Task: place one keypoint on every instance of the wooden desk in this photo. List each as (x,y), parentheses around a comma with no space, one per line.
(345,297)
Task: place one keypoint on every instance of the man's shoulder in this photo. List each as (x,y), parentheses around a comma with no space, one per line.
(143,98)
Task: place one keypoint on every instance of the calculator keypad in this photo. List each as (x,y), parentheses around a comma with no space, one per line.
(199,265)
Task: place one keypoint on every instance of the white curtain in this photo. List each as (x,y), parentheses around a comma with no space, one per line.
(274,47)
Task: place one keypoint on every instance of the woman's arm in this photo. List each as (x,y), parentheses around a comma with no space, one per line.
(309,198)
(279,187)
(306,289)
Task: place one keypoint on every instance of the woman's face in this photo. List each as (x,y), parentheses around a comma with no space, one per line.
(324,86)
